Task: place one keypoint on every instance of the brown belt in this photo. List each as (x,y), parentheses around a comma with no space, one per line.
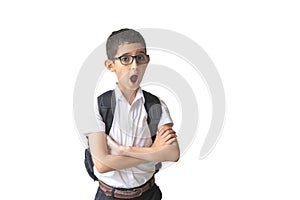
(126,193)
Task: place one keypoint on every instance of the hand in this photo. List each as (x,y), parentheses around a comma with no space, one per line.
(165,136)
(113,147)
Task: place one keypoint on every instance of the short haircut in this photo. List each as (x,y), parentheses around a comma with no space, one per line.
(120,37)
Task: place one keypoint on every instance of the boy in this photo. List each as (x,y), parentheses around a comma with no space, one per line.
(124,159)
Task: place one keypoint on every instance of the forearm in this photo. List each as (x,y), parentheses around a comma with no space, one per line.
(153,154)
(164,148)
(108,163)
(103,160)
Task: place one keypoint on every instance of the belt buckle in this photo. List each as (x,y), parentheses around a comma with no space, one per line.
(138,190)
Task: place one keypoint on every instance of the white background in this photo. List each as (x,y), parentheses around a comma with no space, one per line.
(255,46)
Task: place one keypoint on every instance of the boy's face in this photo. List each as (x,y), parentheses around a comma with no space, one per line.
(129,75)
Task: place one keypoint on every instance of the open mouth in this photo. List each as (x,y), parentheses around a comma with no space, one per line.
(134,78)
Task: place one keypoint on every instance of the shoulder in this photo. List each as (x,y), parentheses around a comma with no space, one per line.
(106,94)
(106,99)
(149,97)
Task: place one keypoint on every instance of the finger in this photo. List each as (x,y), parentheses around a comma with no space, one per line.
(164,128)
(109,144)
(167,132)
(170,136)
(171,141)
(161,128)
(108,149)
(110,141)
(108,137)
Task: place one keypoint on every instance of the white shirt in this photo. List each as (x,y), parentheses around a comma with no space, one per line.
(130,128)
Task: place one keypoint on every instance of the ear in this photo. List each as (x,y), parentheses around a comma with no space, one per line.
(110,65)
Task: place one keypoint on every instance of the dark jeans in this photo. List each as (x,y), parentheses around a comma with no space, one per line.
(153,193)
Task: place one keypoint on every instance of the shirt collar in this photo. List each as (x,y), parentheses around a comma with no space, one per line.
(139,94)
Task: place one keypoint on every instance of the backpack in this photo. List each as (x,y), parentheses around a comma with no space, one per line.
(106,106)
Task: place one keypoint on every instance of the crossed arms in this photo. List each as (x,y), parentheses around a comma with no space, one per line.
(108,155)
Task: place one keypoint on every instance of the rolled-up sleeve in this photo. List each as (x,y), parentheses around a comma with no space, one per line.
(165,115)
(99,120)
(100,125)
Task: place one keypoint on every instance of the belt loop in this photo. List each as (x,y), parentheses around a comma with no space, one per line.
(113,192)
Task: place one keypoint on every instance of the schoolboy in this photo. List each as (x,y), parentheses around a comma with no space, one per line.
(124,160)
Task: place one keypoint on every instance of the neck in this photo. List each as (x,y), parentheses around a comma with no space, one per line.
(128,94)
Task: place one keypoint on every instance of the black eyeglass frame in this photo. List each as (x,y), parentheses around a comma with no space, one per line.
(133,58)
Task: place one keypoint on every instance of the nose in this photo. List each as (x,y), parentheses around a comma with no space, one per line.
(134,65)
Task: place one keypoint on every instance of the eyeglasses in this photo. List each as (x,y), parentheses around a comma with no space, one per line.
(139,58)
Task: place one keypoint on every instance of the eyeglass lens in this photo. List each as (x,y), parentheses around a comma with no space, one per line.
(128,59)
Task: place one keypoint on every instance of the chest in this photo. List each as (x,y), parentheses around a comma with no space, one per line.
(130,126)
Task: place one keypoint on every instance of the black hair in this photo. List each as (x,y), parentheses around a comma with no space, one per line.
(120,37)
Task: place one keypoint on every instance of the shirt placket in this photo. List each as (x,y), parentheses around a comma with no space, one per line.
(132,125)
(133,132)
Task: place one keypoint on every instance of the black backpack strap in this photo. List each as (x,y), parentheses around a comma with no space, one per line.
(154,111)
(106,106)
